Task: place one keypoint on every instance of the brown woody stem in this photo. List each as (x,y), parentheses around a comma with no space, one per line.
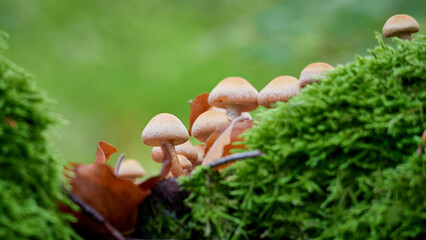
(170,153)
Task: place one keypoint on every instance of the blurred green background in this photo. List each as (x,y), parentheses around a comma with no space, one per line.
(111,65)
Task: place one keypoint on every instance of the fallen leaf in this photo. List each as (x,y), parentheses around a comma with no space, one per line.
(220,143)
(197,107)
(104,151)
(116,199)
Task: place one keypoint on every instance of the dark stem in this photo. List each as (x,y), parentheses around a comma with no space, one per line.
(94,214)
(235,157)
(118,164)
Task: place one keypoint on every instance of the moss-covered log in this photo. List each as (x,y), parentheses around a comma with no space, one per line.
(339,161)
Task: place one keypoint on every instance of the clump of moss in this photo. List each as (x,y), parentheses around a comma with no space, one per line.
(30,172)
(339,160)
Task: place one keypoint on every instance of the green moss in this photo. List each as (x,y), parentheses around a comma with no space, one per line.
(339,160)
(30,172)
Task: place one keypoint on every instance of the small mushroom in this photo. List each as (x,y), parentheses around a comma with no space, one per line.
(207,123)
(234,94)
(200,150)
(400,25)
(166,130)
(186,149)
(280,89)
(131,169)
(312,73)
(185,163)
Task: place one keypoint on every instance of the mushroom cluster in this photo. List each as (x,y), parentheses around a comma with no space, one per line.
(231,98)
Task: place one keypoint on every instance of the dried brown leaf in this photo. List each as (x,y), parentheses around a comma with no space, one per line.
(199,105)
(219,144)
(116,199)
(104,151)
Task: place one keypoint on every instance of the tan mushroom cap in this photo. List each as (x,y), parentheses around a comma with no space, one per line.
(313,72)
(400,25)
(200,149)
(207,123)
(186,149)
(280,89)
(164,126)
(131,169)
(184,162)
(234,91)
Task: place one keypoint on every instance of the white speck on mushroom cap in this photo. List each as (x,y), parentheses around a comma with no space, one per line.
(164,126)
(400,24)
(207,123)
(280,89)
(313,72)
(234,91)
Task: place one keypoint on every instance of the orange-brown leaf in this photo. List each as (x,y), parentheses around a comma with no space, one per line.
(219,144)
(116,199)
(197,107)
(104,151)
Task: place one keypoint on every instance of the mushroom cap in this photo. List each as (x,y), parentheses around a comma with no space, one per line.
(280,89)
(164,126)
(312,72)
(234,91)
(186,149)
(200,149)
(184,162)
(131,169)
(207,123)
(400,24)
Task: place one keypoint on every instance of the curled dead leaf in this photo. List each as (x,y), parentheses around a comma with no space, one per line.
(220,143)
(199,105)
(116,199)
(104,151)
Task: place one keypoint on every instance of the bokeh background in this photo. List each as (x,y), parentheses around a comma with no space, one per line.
(111,65)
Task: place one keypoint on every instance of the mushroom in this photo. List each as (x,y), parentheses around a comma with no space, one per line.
(207,123)
(400,25)
(280,89)
(131,169)
(312,73)
(185,163)
(166,130)
(186,149)
(200,150)
(234,94)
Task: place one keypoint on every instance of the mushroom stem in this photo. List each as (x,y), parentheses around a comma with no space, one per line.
(233,111)
(405,36)
(170,153)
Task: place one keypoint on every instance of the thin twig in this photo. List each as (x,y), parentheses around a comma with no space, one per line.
(118,164)
(235,157)
(115,234)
